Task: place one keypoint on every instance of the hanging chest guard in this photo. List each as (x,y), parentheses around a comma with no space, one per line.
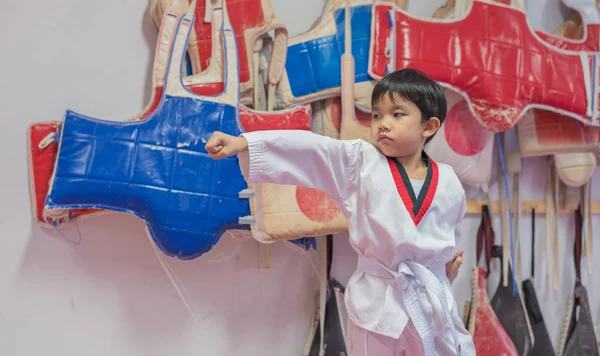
(313,64)
(157,168)
(525,72)
(251,21)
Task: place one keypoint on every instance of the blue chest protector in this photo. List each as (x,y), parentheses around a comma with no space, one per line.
(158,168)
(315,65)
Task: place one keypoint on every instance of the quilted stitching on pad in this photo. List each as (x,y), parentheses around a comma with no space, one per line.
(157,169)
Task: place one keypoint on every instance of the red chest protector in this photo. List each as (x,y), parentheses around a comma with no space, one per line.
(544,132)
(493,58)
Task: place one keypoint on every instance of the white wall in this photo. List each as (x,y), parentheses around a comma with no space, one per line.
(108,295)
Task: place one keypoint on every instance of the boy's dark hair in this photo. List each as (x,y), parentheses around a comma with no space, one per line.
(413,85)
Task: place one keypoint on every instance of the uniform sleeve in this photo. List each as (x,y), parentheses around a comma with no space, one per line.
(302,158)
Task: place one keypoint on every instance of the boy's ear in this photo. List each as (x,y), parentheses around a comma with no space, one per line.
(431,127)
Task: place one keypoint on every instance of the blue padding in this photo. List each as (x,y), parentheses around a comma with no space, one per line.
(315,65)
(156,169)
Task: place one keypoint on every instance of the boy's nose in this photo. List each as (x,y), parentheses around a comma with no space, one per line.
(384,125)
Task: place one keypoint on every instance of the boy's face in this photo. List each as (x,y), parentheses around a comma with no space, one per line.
(397,129)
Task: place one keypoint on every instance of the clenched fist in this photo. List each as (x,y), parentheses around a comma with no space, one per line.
(221,145)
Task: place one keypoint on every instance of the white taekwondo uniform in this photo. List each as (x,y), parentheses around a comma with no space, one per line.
(399,294)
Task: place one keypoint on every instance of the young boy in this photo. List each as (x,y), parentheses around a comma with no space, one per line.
(404,213)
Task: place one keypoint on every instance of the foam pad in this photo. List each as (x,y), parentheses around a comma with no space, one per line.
(526,73)
(313,63)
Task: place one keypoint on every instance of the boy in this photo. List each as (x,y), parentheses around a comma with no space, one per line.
(404,213)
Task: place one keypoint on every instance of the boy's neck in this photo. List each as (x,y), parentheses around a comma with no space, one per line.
(414,165)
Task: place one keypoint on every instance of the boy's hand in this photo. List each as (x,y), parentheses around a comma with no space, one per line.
(221,145)
(453,266)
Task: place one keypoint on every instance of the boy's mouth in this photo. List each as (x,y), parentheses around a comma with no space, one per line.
(383,138)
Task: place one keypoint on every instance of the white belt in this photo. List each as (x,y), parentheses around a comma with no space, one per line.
(409,275)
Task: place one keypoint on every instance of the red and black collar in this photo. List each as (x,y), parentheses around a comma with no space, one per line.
(416,206)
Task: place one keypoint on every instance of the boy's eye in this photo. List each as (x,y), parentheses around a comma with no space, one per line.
(398,114)
(375,116)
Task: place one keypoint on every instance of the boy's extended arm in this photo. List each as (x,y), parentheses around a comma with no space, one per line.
(293,157)
(301,158)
